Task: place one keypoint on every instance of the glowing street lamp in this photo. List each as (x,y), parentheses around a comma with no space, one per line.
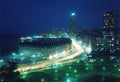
(104,68)
(75,71)
(42,80)
(13,55)
(68,80)
(67,74)
(69,67)
(87,68)
(33,56)
(101,60)
(115,65)
(119,70)
(21,54)
(56,70)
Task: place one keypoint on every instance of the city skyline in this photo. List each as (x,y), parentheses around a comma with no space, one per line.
(40,39)
(34,17)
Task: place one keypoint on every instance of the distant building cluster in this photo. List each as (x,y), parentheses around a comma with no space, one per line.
(104,42)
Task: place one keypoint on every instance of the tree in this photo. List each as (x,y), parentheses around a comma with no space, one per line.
(7,73)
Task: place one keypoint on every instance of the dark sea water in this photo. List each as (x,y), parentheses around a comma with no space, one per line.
(9,43)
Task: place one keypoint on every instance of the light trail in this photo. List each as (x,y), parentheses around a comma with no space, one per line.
(44,64)
(79,51)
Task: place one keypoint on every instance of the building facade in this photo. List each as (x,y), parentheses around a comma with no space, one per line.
(44,48)
(106,41)
(109,20)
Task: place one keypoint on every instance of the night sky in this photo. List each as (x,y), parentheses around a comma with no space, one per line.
(39,16)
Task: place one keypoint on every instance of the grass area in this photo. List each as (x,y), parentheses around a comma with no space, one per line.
(77,71)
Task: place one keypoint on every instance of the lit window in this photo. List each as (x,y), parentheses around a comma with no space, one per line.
(112,44)
(112,38)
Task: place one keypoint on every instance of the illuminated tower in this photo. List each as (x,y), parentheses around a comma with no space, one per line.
(72,27)
(109,32)
(109,20)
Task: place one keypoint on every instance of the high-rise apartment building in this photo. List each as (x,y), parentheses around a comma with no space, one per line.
(109,20)
(109,32)
(106,42)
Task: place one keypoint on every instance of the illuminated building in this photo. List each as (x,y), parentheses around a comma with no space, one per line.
(113,41)
(55,32)
(72,28)
(110,32)
(58,32)
(45,48)
(109,20)
(84,36)
(106,42)
(96,39)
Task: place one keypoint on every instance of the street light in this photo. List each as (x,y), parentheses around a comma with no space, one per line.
(68,80)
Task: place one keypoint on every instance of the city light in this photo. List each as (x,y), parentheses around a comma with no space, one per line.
(56,65)
(66,55)
(1,60)
(50,57)
(69,67)
(55,56)
(88,50)
(42,80)
(115,65)
(101,60)
(75,71)
(13,54)
(56,70)
(68,80)
(73,14)
(87,68)
(67,74)
(33,56)
(104,68)
(119,70)
(1,80)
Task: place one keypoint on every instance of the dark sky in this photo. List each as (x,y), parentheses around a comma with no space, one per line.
(39,16)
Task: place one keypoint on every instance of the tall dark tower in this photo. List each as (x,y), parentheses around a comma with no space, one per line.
(109,20)
(72,27)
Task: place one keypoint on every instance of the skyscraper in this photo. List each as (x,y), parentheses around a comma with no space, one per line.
(106,42)
(72,27)
(110,32)
(109,20)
